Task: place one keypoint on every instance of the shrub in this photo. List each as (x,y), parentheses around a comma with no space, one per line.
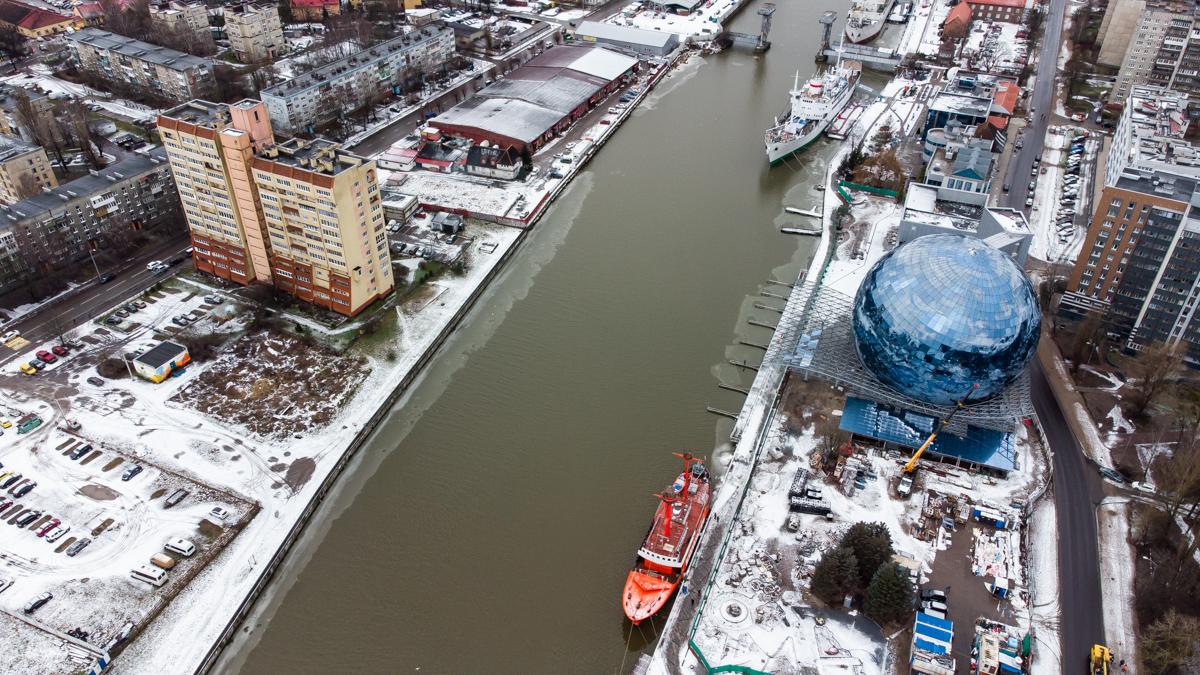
(113,369)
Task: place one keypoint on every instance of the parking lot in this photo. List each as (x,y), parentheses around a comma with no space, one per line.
(418,240)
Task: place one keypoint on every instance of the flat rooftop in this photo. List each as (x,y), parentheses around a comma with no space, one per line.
(104,179)
(201,114)
(318,156)
(137,49)
(1158,184)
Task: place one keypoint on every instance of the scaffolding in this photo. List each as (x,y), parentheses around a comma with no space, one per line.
(824,347)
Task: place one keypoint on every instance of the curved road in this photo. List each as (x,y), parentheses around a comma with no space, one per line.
(1077,492)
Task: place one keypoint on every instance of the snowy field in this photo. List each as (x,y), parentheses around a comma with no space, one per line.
(1050,243)
(179,446)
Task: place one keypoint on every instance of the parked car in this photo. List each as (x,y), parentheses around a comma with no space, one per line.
(905,486)
(1038,158)
(1029,202)
(1111,475)
(220,513)
(28,518)
(180,320)
(932,594)
(1020,144)
(1144,487)
(46,356)
(112,320)
(131,309)
(121,313)
(57,533)
(131,472)
(38,602)
(183,547)
(10,481)
(212,299)
(139,304)
(78,546)
(5,504)
(175,261)
(28,369)
(1032,185)
(935,606)
(48,526)
(1006,187)
(59,350)
(25,489)
(5,582)
(80,451)
(10,335)
(555,174)
(95,382)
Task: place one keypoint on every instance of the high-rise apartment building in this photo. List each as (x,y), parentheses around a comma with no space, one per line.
(305,217)
(254,31)
(1150,135)
(1153,48)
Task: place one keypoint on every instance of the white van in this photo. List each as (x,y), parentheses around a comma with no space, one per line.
(183,547)
(151,575)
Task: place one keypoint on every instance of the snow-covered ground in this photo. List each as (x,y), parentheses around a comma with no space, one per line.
(58,88)
(137,419)
(1117,575)
(1046,605)
(1049,242)
(914,36)
(701,25)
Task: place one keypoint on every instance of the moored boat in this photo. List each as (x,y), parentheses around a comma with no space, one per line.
(667,550)
(811,109)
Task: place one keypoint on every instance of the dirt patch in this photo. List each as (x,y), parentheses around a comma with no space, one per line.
(94,455)
(65,443)
(102,527)
(276,384)
(208,528)
(39,522)
(63,546)
(299,472)
(114,463)
(158,493)
(99,492)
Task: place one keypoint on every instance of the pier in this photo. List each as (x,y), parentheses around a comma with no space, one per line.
(878,59)
(759,305)
(756,43)
(718,411)
(752,322)
(801,212)
(753,344)
(796,230)
(730,387)
(743,364)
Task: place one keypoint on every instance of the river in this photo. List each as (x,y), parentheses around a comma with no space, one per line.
(490,523)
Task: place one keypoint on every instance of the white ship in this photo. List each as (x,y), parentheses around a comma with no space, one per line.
(867,19)
(811,109)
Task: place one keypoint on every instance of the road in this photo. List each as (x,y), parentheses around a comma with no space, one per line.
(1077,492)
(97,298)
(1043,104)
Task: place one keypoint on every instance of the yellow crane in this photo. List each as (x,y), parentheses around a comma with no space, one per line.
(912,463)
(1101,657)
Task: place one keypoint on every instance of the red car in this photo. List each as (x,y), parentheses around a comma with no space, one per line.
(46,356)
(48,526)
(60,350)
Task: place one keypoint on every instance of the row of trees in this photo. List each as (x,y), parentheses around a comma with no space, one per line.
(132,19)
(862,566)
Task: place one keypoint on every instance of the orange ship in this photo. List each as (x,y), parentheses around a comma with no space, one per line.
(667,549)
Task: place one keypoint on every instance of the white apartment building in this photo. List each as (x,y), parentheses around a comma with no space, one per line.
(320,95)
(254,31)
(1153,46)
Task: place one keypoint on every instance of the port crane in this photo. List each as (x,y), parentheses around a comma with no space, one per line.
(912,463)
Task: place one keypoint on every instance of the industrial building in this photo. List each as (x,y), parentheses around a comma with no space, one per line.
(156,364)
(541,98)
(648,42)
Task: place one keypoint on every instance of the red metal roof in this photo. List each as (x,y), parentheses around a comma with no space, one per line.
(1006,95)
(1001,3)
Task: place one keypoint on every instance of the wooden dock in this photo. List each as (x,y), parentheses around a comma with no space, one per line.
(730,387)
(780,283)
(726,413)
(752,322)
(772,295)
(753,344)
(811,214)
(744,365)
(794,230)
(759,305)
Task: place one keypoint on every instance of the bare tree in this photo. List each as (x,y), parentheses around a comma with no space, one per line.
(42,130)
(1153,370)
(1166,643)
(27,185)
(12,43)
(1087,337)
(76,117)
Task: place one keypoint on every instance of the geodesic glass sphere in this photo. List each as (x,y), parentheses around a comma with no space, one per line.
(945,312)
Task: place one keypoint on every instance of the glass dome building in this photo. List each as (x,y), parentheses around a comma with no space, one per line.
(945,312)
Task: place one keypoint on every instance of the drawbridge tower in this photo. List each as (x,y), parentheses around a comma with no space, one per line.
(826,20)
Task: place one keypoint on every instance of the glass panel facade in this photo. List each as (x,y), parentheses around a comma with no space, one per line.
(943,313)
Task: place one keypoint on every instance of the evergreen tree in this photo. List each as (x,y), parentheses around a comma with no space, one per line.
(871,544)
(836,575)
(890,595)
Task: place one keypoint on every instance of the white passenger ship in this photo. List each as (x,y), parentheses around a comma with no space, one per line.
(867,19)
(811,109)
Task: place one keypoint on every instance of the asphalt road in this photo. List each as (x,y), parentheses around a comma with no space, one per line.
(1077,492)
(97,298)
(1043,101)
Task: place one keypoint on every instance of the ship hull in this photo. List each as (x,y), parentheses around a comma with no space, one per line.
(862,36)
(781,150)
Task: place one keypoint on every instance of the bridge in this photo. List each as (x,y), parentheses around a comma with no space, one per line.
(757,43)
(878,59)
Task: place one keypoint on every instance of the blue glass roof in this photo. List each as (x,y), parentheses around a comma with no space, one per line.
(943,313)
(989,448)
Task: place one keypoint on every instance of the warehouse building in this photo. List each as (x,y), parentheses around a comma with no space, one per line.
(540,99)
(648,42)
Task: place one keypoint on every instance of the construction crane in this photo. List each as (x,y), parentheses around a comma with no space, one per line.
(912,463)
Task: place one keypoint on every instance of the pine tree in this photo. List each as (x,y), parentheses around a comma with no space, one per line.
(871,543)
(890,595)
(836,575)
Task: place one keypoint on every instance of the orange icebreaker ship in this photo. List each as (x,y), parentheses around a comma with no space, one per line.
(668,547)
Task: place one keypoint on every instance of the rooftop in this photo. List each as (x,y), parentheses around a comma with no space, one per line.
(11,147)
(1158,184)
(608,31)
(962,104)
(353,62)
(164,352)
(103,179)
(138,50)
(201,114)
(8,99)
(319,156)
